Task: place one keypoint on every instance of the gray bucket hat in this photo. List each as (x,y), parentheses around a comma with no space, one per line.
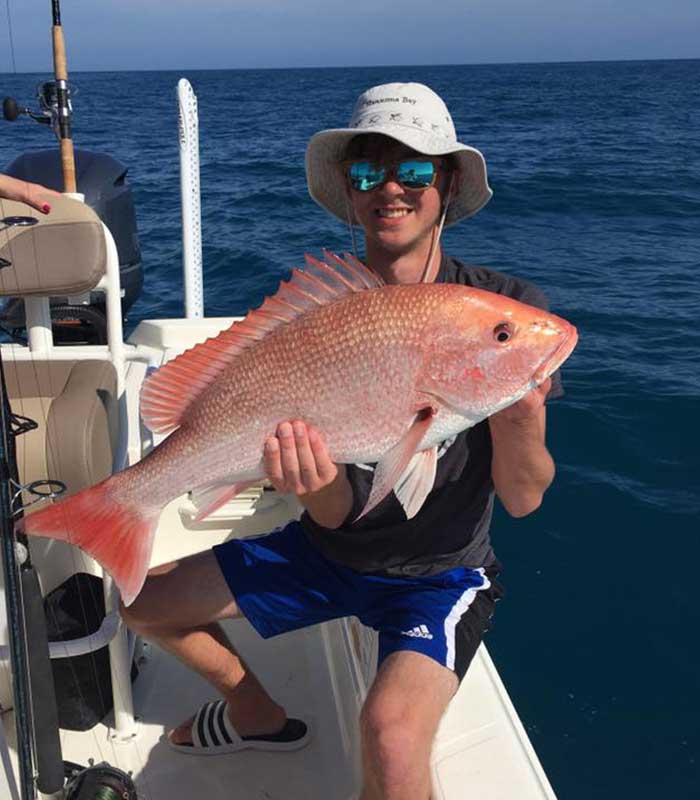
(412,114)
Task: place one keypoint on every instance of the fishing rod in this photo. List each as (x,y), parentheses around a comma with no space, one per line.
(41,766)
(36,715)
(60,70)
(12,551)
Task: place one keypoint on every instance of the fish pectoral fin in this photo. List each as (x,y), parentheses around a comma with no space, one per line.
(417,481)
(392,467)
(208,499)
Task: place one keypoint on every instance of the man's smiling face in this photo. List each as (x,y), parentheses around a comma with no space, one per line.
(393,217)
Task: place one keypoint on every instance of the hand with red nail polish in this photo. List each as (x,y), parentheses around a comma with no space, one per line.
(33,194)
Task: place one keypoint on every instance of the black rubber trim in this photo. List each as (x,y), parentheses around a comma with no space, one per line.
(293,730)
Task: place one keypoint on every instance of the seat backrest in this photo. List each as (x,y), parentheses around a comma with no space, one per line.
(62,253)
(74,406)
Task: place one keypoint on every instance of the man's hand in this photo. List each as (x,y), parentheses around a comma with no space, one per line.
(296,460)
(528,406)
(521,467)
(33,194)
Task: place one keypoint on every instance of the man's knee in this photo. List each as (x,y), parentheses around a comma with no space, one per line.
(394,734)
(142,615)
(136,616)
(173,599)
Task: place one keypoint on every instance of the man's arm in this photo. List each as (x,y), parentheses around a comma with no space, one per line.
(521,468)
(296,460)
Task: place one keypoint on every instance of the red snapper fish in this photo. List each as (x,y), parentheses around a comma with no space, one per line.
(385,372)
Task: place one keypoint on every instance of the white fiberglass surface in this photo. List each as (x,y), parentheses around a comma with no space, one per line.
(294,669)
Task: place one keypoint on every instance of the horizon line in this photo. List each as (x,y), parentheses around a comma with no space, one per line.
(370,66)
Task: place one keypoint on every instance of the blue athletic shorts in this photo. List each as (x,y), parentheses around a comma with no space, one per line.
(281,582)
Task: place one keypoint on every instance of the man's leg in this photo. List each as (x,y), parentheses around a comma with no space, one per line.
(398,724)
(179,608)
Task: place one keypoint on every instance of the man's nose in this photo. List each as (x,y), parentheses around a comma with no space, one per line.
(392,188)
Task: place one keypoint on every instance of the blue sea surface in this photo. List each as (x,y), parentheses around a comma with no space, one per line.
(596,175)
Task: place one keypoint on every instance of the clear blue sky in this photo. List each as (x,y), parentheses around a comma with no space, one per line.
(190,34)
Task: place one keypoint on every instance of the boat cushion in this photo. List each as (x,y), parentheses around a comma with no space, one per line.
(63,253)
(73,403)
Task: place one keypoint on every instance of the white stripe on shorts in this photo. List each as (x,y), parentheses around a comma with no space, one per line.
(458,609)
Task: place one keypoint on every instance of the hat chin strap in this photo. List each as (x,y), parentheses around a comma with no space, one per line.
(433,244)
(438,234)
(348,211)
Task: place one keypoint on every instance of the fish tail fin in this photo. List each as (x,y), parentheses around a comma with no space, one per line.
(117,535)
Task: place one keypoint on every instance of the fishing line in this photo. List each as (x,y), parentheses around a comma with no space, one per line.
(9,32)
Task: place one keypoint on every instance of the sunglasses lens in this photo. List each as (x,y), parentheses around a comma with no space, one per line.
(416,174)
(365,176)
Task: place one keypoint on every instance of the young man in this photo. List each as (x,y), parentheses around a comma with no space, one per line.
(426,584)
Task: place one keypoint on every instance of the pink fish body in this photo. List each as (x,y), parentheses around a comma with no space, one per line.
(385,372)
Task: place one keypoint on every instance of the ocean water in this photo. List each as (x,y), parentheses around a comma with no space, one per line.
(596,175)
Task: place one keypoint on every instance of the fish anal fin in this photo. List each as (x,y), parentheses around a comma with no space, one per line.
(211,498)
(171,390)
(392,467)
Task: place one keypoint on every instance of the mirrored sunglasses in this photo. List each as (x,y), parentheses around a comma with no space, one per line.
(413,174)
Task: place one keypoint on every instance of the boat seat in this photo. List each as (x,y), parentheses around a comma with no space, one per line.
(73,403)
(63,253)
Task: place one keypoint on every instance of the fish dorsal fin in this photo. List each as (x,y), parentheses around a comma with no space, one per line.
(169,392)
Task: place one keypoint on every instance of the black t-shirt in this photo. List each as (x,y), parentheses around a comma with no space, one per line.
(452,527)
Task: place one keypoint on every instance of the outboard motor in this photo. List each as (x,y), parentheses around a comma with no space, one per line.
(102,179)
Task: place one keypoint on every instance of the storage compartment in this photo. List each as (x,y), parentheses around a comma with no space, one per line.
(83,684)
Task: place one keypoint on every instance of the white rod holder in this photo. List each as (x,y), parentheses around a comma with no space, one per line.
(190,200)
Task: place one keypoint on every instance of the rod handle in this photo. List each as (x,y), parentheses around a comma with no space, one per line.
(60,66)
(68,163)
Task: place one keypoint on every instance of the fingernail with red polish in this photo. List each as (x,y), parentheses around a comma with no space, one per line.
(46,208)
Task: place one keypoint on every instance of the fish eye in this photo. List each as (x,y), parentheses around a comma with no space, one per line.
(502,332)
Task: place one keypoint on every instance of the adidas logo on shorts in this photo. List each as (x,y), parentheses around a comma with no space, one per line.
(419,632)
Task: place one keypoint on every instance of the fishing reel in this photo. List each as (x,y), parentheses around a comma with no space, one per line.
(47,95)
(98,782)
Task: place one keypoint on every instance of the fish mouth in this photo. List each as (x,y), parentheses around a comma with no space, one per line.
(559,355)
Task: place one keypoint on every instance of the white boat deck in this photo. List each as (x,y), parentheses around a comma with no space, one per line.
(480,750)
